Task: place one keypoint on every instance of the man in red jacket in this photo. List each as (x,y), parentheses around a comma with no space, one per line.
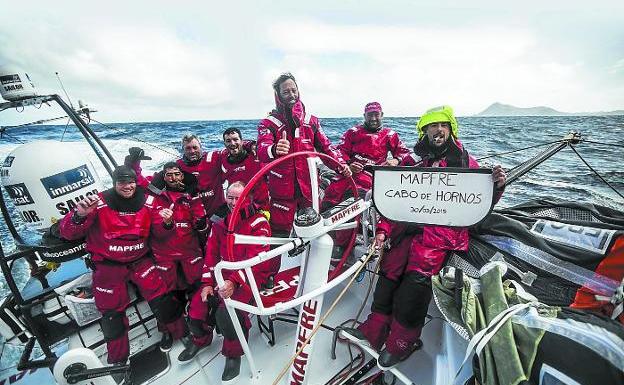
(205,167)
(250,222)
(117,224)
(290,128)
(403,290)
(175,241)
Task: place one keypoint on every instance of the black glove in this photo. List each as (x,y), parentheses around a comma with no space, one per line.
(136,154)
(158,183)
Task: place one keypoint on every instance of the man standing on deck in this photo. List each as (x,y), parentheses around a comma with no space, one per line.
(290,128)
(209,297)
(117,224)
(403,290)
(369,144)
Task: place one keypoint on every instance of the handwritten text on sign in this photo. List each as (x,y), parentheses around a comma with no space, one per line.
(435,196)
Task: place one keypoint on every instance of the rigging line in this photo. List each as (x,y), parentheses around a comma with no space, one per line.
(324,317)
(518,150)
(135,138)
(2,133)
(596,172)
(64,131)
(63,87)
(621,145)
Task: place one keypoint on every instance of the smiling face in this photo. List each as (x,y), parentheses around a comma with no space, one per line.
(373,120)
(233,143)
(192,150)
(438,133)
(288,92)
(125,188)
(174,178)
(233,193)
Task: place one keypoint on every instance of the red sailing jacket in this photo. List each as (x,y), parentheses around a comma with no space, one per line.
(307,136)
(112,235)
(181,241)
(427,251)
(216,250)
(370,148)
(244,171)
(208,180)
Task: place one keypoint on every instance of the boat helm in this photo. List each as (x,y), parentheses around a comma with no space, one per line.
(15,85)
(308,222)
(46,179)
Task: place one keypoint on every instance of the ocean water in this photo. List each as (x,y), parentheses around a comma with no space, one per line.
(563,176)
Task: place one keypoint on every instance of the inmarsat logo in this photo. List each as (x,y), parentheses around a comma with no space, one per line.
(19,193)
(67,181)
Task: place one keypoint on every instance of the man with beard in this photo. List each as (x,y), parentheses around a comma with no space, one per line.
(175,241)
(403,290)
(290,128)
(362,145)
(204,165)
(207,299)
(238,162)
(117,225)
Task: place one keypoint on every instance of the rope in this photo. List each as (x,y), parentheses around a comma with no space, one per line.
(324,317)
(619,145)
(596,172)
(137,139)
(518,150)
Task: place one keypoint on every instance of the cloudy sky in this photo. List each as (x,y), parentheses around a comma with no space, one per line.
(205,60)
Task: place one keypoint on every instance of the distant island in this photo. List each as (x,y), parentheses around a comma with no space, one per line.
(499,109)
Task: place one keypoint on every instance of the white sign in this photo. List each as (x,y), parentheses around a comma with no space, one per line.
(433,196)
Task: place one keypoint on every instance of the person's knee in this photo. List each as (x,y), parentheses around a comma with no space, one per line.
(383,296)
(166,308)
(113,325)
(225,324)
(412,299)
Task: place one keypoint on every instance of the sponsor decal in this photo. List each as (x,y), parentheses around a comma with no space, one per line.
(588,238)
(19,194)
(8,161)
(64,253)
(348,211)
(8,79)
(306,325)
(103,290)
(123,249)
(67,181)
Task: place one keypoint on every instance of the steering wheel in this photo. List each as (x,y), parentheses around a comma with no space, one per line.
(314,175)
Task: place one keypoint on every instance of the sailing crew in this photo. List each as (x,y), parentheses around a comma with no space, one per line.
(116,224)
(403,290)
(209,297)
(290,128)
(238,162)
(367,144)
(204,165)
(174,240)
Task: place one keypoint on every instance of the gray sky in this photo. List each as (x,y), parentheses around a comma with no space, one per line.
(205,60)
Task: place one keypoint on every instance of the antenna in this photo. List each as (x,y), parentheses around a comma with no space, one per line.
(63,87)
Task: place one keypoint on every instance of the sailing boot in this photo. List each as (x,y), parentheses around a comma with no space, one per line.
(401,343)
(231,370)
(201,336)
(166,342)
(374,330)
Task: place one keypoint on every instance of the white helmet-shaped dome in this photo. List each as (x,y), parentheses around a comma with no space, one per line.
(45,180)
